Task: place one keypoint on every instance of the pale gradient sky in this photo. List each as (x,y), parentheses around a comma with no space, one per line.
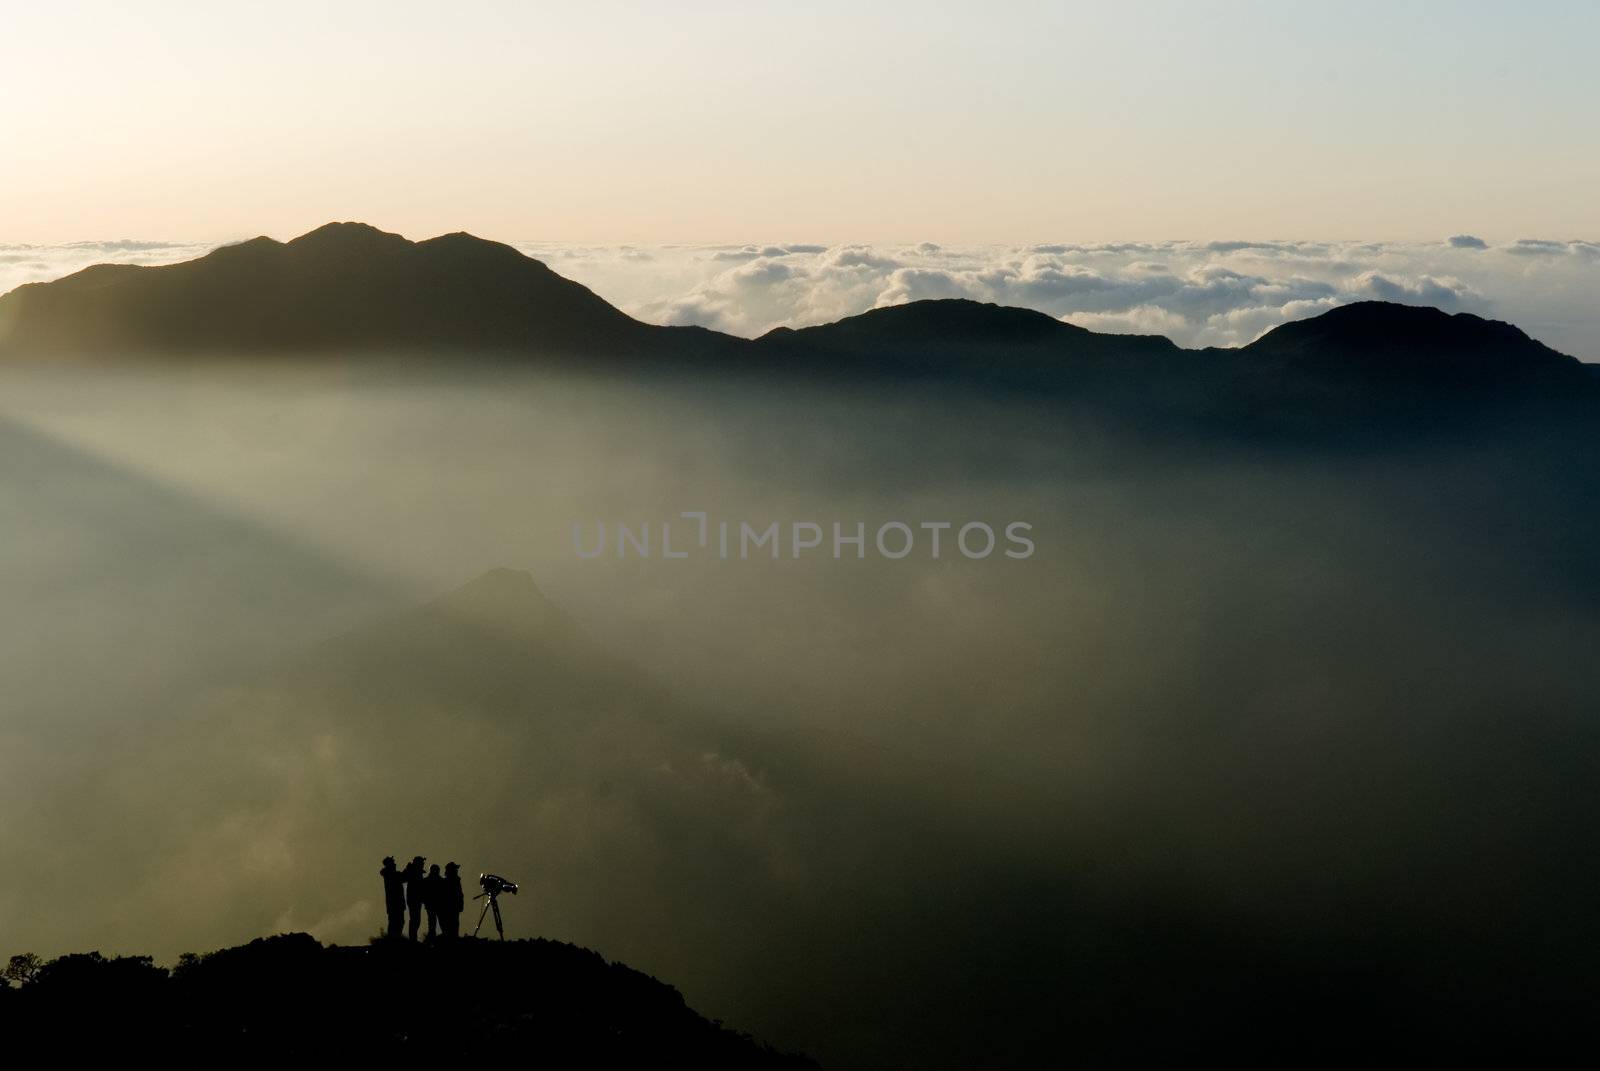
(822,122)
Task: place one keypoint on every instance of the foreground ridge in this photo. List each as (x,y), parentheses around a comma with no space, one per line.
(291,995)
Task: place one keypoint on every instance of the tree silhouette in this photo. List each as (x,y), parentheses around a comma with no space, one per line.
(22,968)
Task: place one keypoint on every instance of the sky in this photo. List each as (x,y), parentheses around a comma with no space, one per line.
(830,123)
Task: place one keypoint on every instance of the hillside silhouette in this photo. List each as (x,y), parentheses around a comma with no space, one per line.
(533,1001)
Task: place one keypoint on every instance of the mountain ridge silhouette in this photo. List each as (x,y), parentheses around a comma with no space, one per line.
(529,305)
(343,285)
(1362,372)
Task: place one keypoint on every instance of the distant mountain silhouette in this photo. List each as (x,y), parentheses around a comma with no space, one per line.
(349,287)
(959,322)
(1369,341)
(342,286)
(974,341)
(534,1002)
(1382,340)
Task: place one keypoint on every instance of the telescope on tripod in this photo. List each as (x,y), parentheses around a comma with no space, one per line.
(493,885)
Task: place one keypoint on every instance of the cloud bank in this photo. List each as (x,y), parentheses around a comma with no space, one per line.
(1222,293)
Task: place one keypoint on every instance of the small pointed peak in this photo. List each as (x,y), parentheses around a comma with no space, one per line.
(461,244)
(250,247)
(506,599)
(503,577)
(260,241)
(501,585)
(455,237)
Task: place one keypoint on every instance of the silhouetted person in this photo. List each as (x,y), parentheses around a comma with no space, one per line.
(394,895)
(433,894)
(415,892)
(453,901)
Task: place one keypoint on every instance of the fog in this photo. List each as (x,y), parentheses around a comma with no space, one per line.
(1263,706)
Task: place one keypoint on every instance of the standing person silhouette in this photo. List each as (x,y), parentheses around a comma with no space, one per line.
(394,895)
(453,901)
(433,896)
(414,892)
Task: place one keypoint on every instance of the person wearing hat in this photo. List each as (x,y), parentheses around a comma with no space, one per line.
(394,895)
(416,892)
(433,897)
(452,901)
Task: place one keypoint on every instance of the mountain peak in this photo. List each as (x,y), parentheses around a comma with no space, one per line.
(1390,323)
(1382,339)
(948,320)
(499,582)
(975,341)
(345,286)
(347,235)
(507,601)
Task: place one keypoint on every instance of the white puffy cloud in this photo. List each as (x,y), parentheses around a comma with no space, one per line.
(921,284)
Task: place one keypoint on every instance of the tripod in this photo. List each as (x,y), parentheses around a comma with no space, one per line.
(494,902)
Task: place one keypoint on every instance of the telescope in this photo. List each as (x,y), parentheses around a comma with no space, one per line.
(493,885)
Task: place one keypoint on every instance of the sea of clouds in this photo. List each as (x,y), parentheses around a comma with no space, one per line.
(1221,293)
